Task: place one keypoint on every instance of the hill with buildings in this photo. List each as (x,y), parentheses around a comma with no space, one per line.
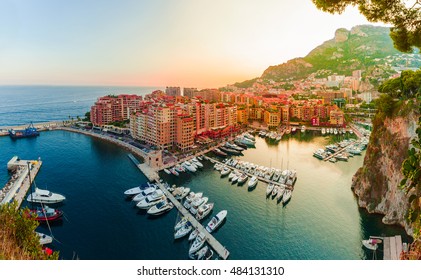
(365,47)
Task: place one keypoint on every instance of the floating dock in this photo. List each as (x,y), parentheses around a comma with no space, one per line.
(16,188)
(392,247)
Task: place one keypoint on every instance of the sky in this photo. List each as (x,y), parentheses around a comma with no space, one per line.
(187,43)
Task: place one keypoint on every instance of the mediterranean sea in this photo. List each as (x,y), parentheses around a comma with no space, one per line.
(322,220)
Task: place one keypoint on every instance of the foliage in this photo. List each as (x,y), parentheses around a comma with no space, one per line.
(18,239)
(405,86)
(87,116)
(406,20)
(386,105)
(246,84)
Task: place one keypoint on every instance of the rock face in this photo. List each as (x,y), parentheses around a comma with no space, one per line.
(376,184)
(341,35)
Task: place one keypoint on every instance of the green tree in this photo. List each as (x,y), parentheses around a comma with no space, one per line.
(405,16)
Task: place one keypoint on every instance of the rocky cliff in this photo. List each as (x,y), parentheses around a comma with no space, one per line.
(376,184)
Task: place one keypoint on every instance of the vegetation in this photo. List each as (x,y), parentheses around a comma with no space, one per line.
(246,84)
(18,240)
(406,86)
(87,117)
(406,19)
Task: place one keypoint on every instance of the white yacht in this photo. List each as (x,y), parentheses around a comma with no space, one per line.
(160,208)
(225,171)
(183,231)
(151,200)
(197,162)
(193,234)
(167,171)
(253,182)
(216,221)
(287,196)
(187,165)
(181,193)
(197,243)
(269,189)
(45,196)
(281,191)
(323,131)
(195,204)
(242,178)
(204,210)
(303,128)
(143,194)
(137,190)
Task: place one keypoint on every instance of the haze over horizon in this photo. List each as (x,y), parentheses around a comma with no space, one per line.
(159,43)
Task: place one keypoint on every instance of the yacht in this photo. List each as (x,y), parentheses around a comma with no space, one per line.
(303,129)
(216,221)
(335,131)
(225,171)
(281,191)
(249,136)
(45,196)
(323,131)
(44,239)
(287,196)
(167,171)
(143,194)
(220,153)
(205,253)
(174,172)
(253,182)
(275,191)
(181,193)
(188,203)
(137,190)
(193,234)
(187,165)
(204,210)
(242,178)
(197,162)
(183,231)
(269,189)
(235,177)
(181,223)
(160,208)
(44,214)
(195,204)
(152,199)
(197,243)
(179,168)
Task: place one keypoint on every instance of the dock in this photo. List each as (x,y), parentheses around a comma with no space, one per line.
(337,152)
(289,187)
(210,239)
(392,247)
(17,187)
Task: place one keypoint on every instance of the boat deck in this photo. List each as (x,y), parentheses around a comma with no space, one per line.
(17,188)
(289,187)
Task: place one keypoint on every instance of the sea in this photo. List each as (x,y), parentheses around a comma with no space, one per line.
(321,222)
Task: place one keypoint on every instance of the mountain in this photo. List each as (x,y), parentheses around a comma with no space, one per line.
(358,49)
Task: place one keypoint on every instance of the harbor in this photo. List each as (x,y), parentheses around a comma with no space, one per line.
(23,174)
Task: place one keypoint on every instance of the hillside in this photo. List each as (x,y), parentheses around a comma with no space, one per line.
(361,48)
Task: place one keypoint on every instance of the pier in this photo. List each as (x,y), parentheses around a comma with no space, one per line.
(152,176)
(337,152)
(17,187)
(289,187)
(392,247)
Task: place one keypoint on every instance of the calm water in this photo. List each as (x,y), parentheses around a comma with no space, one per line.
(23,104)
(321,221)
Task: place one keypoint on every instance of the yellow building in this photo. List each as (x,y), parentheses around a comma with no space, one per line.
(242,115)
(336,117)
(184,132)
(272,118)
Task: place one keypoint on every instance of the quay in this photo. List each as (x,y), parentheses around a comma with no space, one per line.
(392,247)
(16,188)
(289,187)
(153,176)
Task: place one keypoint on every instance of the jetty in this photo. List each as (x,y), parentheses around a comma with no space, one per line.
(392,247)
(24,174)
(337,152)
(289,187)
(153,176)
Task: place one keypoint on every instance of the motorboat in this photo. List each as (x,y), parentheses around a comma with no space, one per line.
(44,214)
(193,235)
(218,152)
(167,171)
(181,223)
(195,204)
(246,141)
(45,197)
(218,166)
(200,158)
(197,162)
(183,231)
(287,196)
(238,143)
(242,178)
(253,182)
(152,199)
(174,172)
(181,193)
(323,131)
(193,195)
(216,221)
(44,239)
(303,128)
(269,189)
(293,129)
(205,253)
(204,210)
(179,168)
(136,190)
(189,166)
(371,243)
(188,203)
(249,136)
(160,208)
(197,243)
(281,191)
(275,191)
(230,151)
(234,179)
(225,171)
(143,194)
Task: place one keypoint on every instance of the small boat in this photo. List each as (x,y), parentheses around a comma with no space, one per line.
(193,235)
(303,128)
(218,152)
(44,214)
(287,196)
(181,223)
(335,131)
(179,168)
(253,182)
(181,193)
(197,243)
(143,194)
(195,204)
(189,166)
(323,131)
(242,145)
(183,231)
(294,129)
(371,243)
(269,189)
(167,171)
(216,221)
(160,208)
(45,196)
(275,191)
(174,172)
(200,158)
(332,159)
(242,178)
(205,253)
(44,239)
(281,191)
(197,162)
(30,131)
(204,210)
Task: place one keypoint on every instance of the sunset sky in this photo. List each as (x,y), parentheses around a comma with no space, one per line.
(157,43)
